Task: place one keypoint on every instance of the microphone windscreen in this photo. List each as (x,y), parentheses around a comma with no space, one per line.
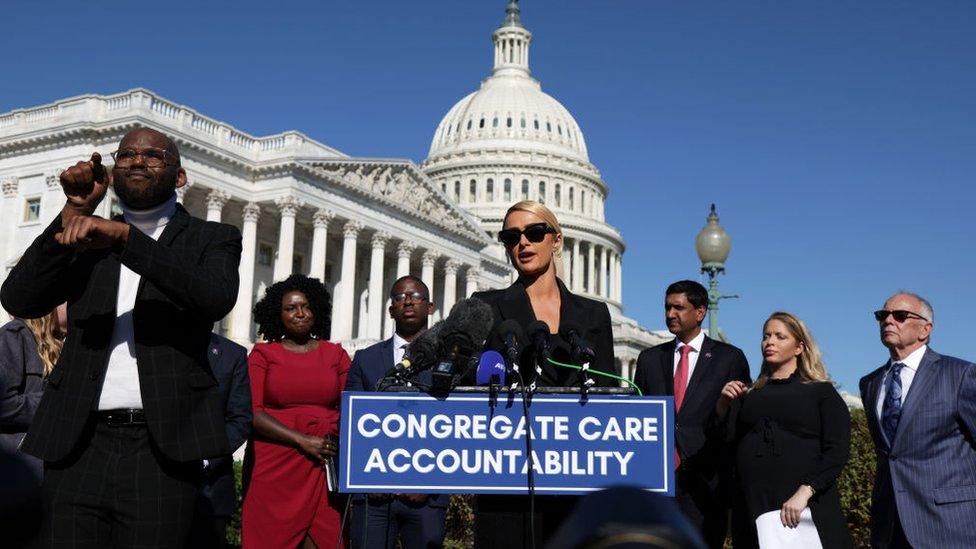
(511,328)
(490,363)
(472,317)
(423,350)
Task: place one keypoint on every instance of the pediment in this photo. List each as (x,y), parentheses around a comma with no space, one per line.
(401,185)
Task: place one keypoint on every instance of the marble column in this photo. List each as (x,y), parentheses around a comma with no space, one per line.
(377,295)
(241,316)
(567,273)
(215,204)
(9,220)
(320,238)
(620,278)
(602,273)
(591,265)
(428,260)
(450,283)
(289,206)
(404,251)
(345,299)
(577,267)
(471,281)
(181,192)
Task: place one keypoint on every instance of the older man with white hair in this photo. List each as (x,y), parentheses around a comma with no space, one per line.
(921,409)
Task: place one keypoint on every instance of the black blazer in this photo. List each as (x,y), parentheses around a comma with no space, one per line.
(188,281)
(590,317)
(228,361)
(698,439)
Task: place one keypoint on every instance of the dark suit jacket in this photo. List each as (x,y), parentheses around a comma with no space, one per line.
(588,316)
(21,386)
(228,361)
(369,365)
(698,439)
(188,281)
(927,476)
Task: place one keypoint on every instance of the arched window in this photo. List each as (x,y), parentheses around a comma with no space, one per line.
(494,122)
(473,191)
(542,192)
(482,123)
(536,124)
(508,190)
(583,201)
(457,191)
(558,196)
(444,187)
(559,128)
(469,123)
(490,190)
(548,127)
(508,122)
(523,122)
(572,197)
(525,189)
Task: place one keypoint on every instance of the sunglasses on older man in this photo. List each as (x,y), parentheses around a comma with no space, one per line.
(535,232)
(898,314)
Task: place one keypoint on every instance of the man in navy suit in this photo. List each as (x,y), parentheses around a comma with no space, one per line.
(921,411)
(218,498)
(694,367)
(418,519)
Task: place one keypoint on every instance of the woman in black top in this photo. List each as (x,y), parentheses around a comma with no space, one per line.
(533,241)
(792,433)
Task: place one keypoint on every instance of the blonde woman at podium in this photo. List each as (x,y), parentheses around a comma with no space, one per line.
(533,241)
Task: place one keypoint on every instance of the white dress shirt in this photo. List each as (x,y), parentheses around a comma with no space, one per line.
(121,386)
(695,344)
(399,347)
(908,372)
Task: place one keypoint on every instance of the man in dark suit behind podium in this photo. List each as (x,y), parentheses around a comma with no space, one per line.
(218,494)
(131,408)
(417,519)
(694,368)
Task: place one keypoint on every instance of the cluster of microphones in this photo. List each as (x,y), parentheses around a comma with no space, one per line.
(453,351)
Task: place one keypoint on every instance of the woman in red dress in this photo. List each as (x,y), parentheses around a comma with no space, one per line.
(296,380)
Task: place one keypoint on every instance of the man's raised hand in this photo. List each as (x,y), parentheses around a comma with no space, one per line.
(89,231)
(84,186)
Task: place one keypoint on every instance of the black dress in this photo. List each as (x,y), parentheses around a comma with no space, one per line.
(787,434)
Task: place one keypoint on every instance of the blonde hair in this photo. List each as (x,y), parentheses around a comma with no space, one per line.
(48,338)
(545,214)
(809,364)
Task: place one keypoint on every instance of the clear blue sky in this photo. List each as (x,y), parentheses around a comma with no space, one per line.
(837,138)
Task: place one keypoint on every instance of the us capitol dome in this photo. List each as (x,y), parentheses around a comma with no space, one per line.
(510,141)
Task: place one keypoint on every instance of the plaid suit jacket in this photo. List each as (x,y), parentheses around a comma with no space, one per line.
(189,280)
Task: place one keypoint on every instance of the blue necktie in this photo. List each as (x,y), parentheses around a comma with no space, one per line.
(891,408)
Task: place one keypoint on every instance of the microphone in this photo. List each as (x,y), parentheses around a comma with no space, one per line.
(461,335)
(512,336)
(538,332)
(581,350)
(491,369)
(420,352)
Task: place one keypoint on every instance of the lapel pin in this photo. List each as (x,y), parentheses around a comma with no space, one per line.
(708,355)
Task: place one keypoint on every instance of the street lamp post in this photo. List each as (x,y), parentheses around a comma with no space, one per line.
(713,245)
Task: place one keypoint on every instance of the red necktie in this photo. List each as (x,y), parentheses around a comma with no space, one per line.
(680,385)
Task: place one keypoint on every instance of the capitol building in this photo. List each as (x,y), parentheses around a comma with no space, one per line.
(355,223)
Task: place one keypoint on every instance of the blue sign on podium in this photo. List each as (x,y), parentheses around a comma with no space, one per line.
(414,442)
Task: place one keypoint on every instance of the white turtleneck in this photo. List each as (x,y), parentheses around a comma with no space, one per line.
(121,386)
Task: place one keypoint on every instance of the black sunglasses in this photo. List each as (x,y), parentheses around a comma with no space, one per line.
(899,315)
(535,232)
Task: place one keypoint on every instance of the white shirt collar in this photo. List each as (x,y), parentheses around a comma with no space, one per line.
(913,360)
(696,343)
(398,341)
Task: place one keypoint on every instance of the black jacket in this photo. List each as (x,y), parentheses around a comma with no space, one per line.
(698,438)
(228,360)
(189,280)
(589,317)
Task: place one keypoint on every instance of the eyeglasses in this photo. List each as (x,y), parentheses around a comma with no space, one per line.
(153,157)
(899,315)
(535,232)
(413,296)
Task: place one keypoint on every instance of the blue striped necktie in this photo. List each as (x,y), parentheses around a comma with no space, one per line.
(891,409)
